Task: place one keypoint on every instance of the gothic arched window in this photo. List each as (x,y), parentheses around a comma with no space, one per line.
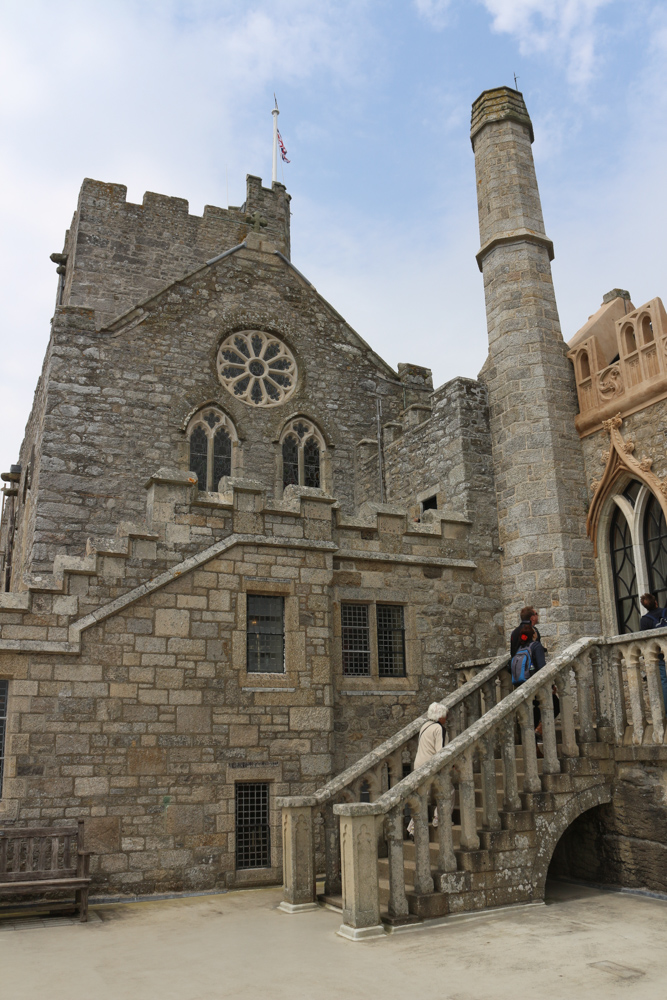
(211,434)
(655,549)
(302,445)
(625,575)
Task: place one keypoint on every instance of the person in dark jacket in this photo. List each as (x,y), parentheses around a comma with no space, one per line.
(528,637)
(528,616)
(653,618)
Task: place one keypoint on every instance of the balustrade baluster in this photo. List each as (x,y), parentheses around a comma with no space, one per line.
(506,686)
(489,692)
(398,902)
(472,709)
(616,693)
(551,763)
(508,749)
(635,694)
(568,734)
(491,818)
(654,688)
(531,777)
(332,878)
(584,677)
(601,687)
(469,837)
(419,809)
(444,798)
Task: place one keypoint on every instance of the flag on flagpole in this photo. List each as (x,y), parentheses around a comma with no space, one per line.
(283,151)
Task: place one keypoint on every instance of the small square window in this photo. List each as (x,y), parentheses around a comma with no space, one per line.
(356,640)
(431,503)
(265,635)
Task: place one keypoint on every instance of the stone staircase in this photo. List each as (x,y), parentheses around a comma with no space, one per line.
(503,803)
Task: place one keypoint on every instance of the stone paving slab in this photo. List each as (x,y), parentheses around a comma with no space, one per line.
(589,943)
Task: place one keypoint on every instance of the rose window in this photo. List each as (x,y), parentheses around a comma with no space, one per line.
(257,368)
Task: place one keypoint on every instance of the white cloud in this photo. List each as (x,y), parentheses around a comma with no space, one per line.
(565,28)
(434,11)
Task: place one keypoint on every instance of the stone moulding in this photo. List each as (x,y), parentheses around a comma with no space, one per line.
(620,460)
(514,236)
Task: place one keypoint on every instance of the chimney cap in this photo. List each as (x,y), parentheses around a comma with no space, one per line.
(497,105)
(615,293)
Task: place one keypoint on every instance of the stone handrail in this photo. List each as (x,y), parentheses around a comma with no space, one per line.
(610,692)
(299,860)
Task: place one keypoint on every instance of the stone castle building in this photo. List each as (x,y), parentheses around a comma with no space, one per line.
(238,550)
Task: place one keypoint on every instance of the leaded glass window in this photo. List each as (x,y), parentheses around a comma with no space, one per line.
(355,640)
(302,447)
(655,547)
(311,463)
(625,576)
(199,456)
(290,461)
(212,436)
(253,832)
(265,634)
(391,640)
(4,700)
(222,456)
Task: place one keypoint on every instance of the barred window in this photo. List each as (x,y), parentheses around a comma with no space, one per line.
(4,699)
(266,635)
(253,833)
(355,636)
(391,640)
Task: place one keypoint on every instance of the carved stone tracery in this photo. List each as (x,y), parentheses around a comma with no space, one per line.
(618,461)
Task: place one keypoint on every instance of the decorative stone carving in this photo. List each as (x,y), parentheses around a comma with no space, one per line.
(619,460)
(257,368)
(610,382)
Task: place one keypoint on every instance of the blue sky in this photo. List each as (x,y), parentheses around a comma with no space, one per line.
(375,98)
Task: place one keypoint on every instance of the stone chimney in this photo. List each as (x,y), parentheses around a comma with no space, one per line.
(538,464)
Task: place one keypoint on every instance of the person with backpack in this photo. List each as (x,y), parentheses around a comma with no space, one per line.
(655,617)
(431,741)
(530,657)
(528,616)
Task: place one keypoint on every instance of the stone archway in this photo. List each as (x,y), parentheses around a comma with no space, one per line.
(550,829)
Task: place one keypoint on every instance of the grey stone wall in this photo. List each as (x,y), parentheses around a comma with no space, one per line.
(117,401)
(120,253)
(538,464)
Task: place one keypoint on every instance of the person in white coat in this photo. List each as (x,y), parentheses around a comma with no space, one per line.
(431,740)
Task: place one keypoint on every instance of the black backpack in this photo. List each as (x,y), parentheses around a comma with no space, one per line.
(658,617)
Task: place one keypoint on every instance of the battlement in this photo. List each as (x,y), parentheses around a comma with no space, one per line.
(117,253)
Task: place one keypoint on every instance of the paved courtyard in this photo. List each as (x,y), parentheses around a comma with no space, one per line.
(584,944)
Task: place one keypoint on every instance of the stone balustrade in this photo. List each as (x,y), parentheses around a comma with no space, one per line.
(370,775)
(610,695)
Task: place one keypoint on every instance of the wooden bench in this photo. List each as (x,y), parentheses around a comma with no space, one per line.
(45,859)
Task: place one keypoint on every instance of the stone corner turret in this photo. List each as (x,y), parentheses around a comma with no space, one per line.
(496,105)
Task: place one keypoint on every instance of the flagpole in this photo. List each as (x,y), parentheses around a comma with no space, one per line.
(275,114)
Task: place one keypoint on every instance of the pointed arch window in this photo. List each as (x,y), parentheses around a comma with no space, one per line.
(655,548)
(302,446)
(211,437)
(625,574)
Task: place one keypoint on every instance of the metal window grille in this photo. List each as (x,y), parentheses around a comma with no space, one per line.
(266,635)
(355,636)
(253,833)
(391,640)
(4,699)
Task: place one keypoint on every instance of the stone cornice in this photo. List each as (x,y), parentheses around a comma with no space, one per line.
(514,236)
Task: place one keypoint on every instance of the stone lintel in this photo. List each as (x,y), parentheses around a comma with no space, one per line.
(514,236)
(497,105)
